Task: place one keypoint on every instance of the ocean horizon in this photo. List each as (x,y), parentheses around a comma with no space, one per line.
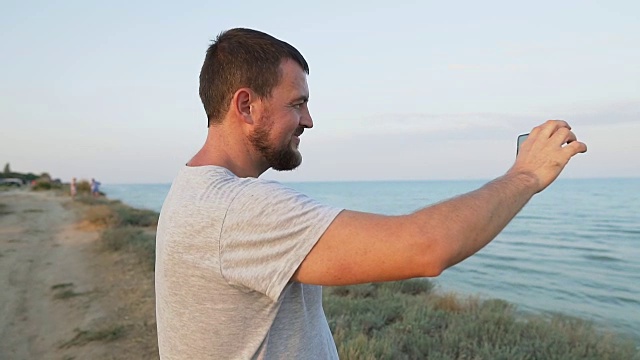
(573,249)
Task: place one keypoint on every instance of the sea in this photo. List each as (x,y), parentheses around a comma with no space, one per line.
(574,249)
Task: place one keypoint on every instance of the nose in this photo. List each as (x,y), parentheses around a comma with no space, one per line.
(306,121)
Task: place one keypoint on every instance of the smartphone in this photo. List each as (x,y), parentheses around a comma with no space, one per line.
(521,139)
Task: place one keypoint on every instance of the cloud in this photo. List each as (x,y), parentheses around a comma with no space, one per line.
(613,113)
(436,125)
(488,67)
(485,125)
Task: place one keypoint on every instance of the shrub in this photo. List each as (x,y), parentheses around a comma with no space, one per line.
(381,321)
(89,200)
(83,187)
(106,334)
(410,287)
(115,213)
(131,238)
(128,216)
(39,186)
(100,215)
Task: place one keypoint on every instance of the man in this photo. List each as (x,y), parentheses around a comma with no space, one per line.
(95,188)
(239,259)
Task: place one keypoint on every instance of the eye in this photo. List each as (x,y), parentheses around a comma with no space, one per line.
(297,106)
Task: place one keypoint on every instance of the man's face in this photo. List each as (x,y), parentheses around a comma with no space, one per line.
(277,131)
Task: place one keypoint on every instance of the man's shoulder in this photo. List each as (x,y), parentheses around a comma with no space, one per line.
(207,183)
(221,177)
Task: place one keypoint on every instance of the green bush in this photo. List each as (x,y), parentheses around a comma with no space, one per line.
(383,321)
(128,216)
(118,214)
(374,290)
(131,238)
(44,185)
(89,200)
(116,239)
(101,215)
(83,187)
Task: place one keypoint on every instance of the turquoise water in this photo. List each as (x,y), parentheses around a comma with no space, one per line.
(574,249)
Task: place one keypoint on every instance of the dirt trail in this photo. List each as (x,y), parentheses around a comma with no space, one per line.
(60,296)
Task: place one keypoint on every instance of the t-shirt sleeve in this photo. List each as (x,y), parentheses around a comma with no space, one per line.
(268,231)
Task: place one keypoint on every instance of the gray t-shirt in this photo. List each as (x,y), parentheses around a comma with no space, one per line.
(226,249)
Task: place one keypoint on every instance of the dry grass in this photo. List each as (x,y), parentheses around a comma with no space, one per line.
(65,291)
(106,334)
(101,215)
(66,294)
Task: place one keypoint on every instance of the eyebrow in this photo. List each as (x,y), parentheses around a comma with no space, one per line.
(302,98)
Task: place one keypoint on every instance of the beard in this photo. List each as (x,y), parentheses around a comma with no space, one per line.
(282,158)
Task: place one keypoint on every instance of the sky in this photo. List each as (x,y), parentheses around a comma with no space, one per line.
(413,90)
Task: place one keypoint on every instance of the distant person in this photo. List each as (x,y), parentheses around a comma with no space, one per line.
(95,188)
(73,188)
(239,259)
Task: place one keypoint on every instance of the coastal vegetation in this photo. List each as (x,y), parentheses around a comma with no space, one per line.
(43,181)
(125,228)
(409,319)
(7,173)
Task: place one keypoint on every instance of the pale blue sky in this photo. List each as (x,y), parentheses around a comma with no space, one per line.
(399,90)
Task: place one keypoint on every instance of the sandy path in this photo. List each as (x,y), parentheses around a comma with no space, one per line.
(49,287)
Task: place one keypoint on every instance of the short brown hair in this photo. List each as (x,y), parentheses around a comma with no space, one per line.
(242,58)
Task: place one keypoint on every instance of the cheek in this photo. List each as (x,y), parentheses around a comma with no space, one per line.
(288,126)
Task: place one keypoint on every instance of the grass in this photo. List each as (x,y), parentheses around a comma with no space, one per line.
(126,228)
(106,334)
(101,215)
(131,238)
(381,321)
(90,200)
(66,294)
(65,291)
(116,214)
(128,216)
(61,286)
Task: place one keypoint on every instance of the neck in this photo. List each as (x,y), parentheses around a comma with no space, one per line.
(222,148)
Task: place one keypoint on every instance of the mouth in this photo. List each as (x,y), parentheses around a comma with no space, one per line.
(296,135)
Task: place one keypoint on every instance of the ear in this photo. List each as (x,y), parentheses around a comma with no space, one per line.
(243,104)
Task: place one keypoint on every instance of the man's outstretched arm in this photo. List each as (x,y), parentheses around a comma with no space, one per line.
(360,247)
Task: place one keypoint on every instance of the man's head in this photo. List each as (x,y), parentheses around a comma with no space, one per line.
(276,132)
(242,58)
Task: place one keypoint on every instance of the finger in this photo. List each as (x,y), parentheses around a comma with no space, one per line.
(571,137)
(564,136)
(574,148)
(549,128)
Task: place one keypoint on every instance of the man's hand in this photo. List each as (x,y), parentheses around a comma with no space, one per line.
(546,151)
